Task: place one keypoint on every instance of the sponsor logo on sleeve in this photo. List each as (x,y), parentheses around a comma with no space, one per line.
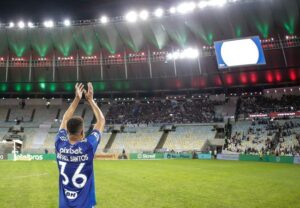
(71,194)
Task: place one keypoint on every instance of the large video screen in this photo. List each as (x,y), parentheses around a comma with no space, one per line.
(239,52)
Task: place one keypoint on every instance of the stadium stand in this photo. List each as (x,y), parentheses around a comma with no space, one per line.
(138,139)
(278,137)
(139,123)
(190,110)
(189,138)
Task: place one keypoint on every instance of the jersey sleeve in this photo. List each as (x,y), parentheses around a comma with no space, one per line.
(62,135)
(94,139)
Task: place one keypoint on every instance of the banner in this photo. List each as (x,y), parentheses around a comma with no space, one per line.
(146,156)
(267,158)
(297,160)
(228,157)
(178,156)
(204,156)
(106,157)
(281,159)
(29,157)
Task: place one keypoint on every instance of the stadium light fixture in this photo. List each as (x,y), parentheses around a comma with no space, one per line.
(21,24)
(202,4)
(131,16)
(159,12)
(11,25)
(186,7)
(189,53)
(30,25)
(144,14)
(217,3)
(172,10)
(67,22)
(104,19)
(49,23)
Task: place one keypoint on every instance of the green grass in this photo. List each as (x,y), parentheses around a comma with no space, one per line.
(159,184)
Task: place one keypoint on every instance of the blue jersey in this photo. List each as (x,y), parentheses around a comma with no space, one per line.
(75,164)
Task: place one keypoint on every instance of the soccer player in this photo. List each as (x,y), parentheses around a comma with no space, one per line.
(75,153)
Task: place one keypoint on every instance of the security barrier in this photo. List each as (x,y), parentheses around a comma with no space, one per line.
(178,156)
(267,158)
(146,156)
(228,157)
(150,156)
(204,156)
(29,157)
(297,160)
(106,157)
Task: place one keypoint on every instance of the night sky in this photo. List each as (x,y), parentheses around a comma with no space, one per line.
(39,10)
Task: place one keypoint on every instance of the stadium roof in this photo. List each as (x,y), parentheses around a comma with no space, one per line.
(32,59)
(265,18)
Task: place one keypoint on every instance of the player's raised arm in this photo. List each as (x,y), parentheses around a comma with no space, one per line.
(79,88)
(89,95)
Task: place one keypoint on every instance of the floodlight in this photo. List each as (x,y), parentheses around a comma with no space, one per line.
(144,15)
(21,24)
(202,4)
(30,24)
(172,10)
(104,20)
(186,7)
(67,22)
(48,23)
(190,53)
(11,25)
(131,16)
(159,12)
(218,3)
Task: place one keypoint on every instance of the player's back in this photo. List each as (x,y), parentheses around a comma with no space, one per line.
(75,163)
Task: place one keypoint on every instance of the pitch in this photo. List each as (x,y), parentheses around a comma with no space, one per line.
(159,184)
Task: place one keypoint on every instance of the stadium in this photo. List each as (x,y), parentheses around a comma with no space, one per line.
(201,101)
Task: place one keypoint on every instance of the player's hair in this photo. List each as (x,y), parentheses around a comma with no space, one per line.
(75,125)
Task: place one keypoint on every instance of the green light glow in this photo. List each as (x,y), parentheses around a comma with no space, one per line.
(52,87)
(290,26)
(106,44)
(105,40)
(42,86)
(65,49)
(69,87)
(121,85)
(86,40)
(179,35)
(18,87)
(18,50)
(118,85)
(208,38)
(238,31)
(63,40)
(41,50)
(155,34)
(28,87)
(3,87)
(100,86)
(263,29)
(126,85)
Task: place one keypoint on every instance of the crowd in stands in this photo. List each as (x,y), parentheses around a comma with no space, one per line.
(262,104)
(164,111)
(266,136)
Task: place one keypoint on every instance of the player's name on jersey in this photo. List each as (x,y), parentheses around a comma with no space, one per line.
(77,151)
(72,158)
